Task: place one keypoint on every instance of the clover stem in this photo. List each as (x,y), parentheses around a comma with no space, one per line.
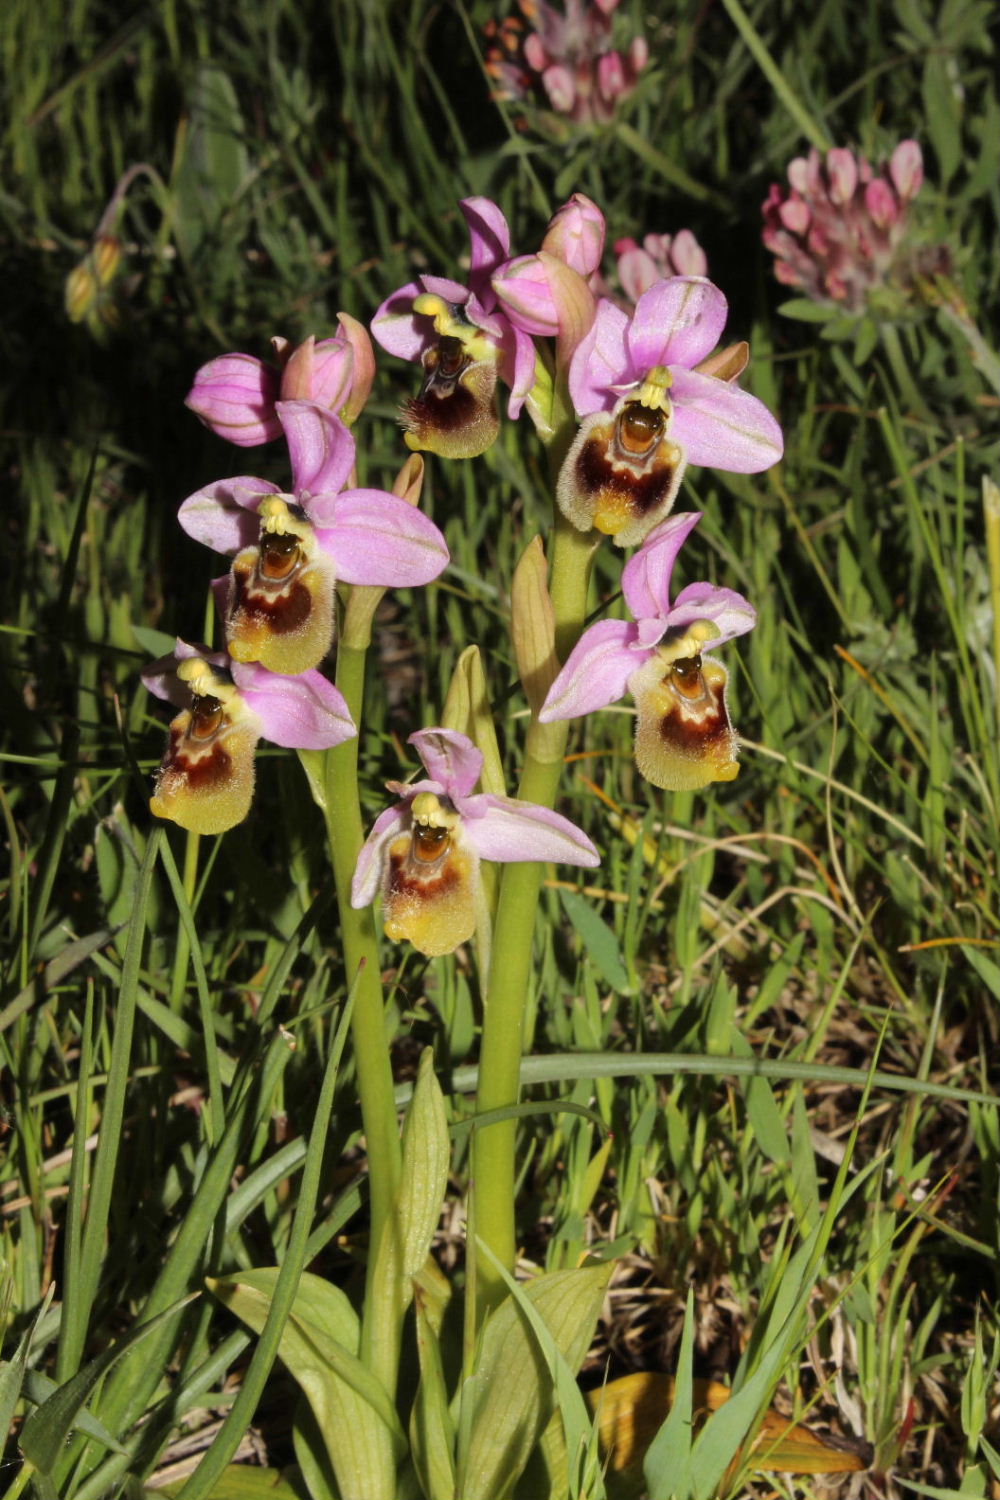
(513,932)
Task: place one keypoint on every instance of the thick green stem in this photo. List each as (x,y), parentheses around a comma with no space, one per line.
(513,932)
(371,1053)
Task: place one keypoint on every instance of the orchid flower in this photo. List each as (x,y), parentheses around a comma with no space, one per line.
(206,780)
(291,548)
(649,410)
(684,738)
(463,340)
(235,395)
(425,849)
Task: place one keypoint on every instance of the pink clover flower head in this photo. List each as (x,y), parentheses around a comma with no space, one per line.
(290,549)
(648,410)
(464,339)
(206,779)
(235,395)
(684,737)
(567,62)
(659,256)
(842,233)
(424,851)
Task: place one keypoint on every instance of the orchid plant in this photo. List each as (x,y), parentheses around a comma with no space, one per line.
(624,402)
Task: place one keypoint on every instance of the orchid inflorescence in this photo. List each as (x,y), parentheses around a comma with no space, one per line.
(650,393)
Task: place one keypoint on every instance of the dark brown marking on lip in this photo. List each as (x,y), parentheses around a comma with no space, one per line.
(281,610)
(449,410)
(404,882)
(202,769)
(608,483)
(696,734)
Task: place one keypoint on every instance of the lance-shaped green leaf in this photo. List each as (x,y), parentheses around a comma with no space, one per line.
(245,1482)
(422,1183)
(432,1432)
(46,1430)
(320,1347)
(510,1390)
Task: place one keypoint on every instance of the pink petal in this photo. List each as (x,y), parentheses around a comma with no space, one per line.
(368,871)
(320,448)
(596,673)
(519,368)
(722,427)
(677,322)
(490,239)
(646,576)
(302,713)
(224,515)
(600,362)
(728,610)
(504,829)
(376,538)
(398,328)
(637,271)
(451,758)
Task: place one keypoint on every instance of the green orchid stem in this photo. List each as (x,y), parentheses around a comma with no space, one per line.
(380,1341)
(513,932)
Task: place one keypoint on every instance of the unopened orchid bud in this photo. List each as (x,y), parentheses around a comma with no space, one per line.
(106,256)
(533,625)
(906,168)
(842,173)
(234,396)
(726,364)
(576,234)
(409,482)
(318,372)
(363,375)
(545,297)
(80,293)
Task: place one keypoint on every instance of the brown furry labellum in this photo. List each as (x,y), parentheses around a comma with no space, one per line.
(622,473)
(206,780)
(280,609)
(429,896)
(455,413)
(684,739)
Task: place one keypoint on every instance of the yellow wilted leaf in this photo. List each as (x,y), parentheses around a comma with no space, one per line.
(631,1411)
